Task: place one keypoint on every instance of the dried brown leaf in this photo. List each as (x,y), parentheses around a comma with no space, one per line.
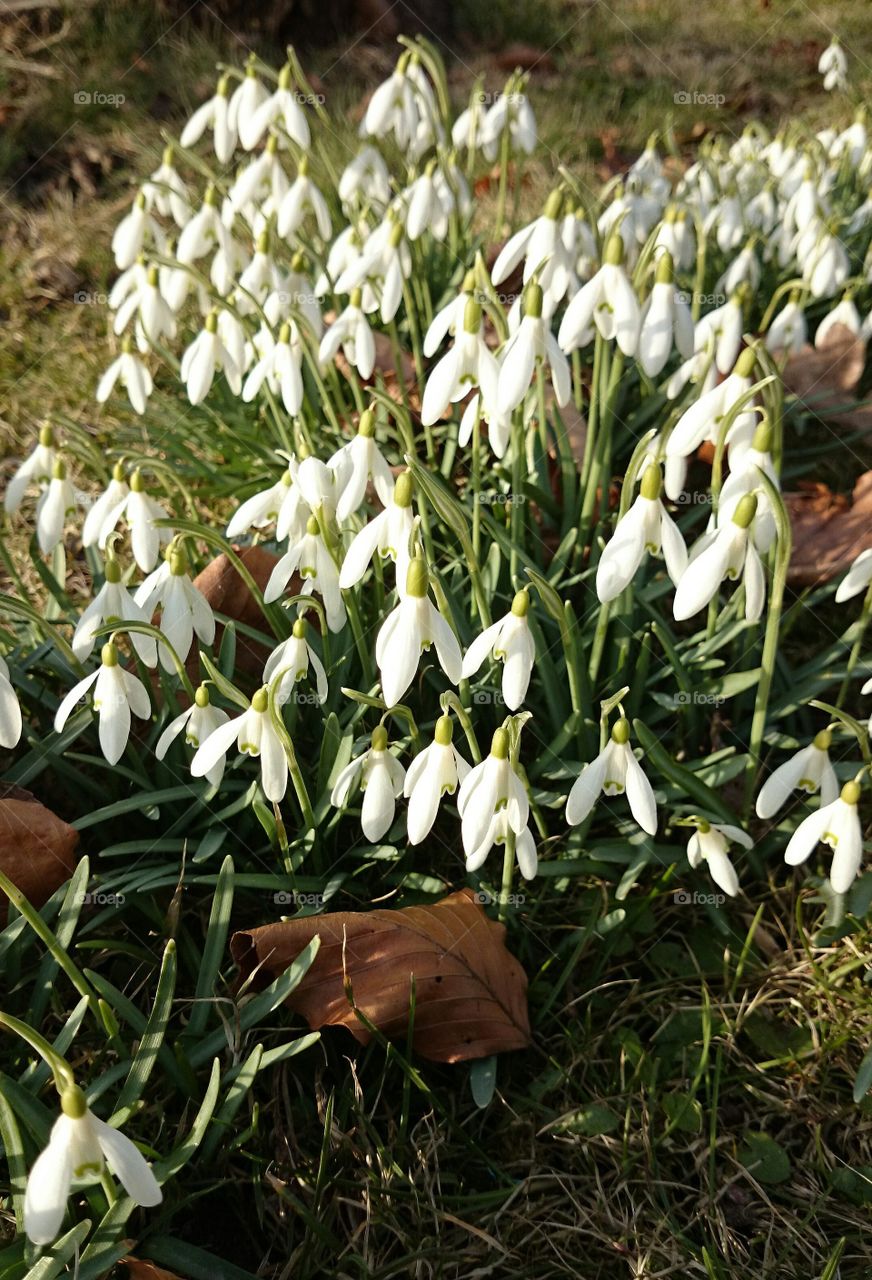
(36,847)
(829,530)
(824,379)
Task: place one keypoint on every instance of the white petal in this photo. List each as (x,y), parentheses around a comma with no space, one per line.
(128,1164)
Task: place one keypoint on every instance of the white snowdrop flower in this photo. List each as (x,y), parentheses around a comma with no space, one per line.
(492,801)
(303,197)
(261,509)
(647,528)
(154,318)
(199,720)
(117,693)
(366,176)
(310,558)
(425,208)
(205,356)
(788,332)
(79,1148)
(385,263)
(320,484)
(281,369)
(141,511)
(253,734)
(380,776)
(36,469)
(845,313)
(808,770)
(449,318)
(229,261)
(242,112)
(826,267)
(234,338)
(350,331)
(56,503)
(184,609)
(665,322)
(281,107)
(133,232)
(499,426)
(290,661)
(343,253)
(10,711)
(467,130)
(675,235)
(468,365)
(805,206)
(204,232)
(361,462)
(838,825)
(512,112)
(543,249)
(833,66)
(509,640)
(166,192)
(744,269)
(727,221)
(128,370)
(607,302)
(614,771)
(259,278)
(435,772)
(213,115)
(728,552)
(388,533)
(747,461)
(531,345)
(710,843)
(720,331)
(702,420)
(259,188)
(113,604)
(857,579)
(413,626)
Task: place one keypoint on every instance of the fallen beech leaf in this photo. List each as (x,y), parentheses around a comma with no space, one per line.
(36,847)
(823,380)
(829,530)
(142,1269)
(470,992)
(227,593)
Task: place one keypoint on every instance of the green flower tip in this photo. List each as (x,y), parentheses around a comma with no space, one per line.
(665,268)
(417,578)
(136,482)
(109,654)
(533,299)
(113,571)
(178,562)
(554,205)
(746,510)
(285,76)
(73,1102)
(443,731)
(312,525)
(745,363)
(651,482)
(403,489)
(472,316)
(851,792)
(59,470)
(379,739)
(621,731)
(469,282)
(285,334)
(262,245)
(47,436)
(260,701)
(366,425)
(153,277)
(396,234)
(118,471)
(521,604)
(702,826)
(201,697)
(212,322)
(614,254)
(500,745)
(356,297)
(211,196)
(762,441)
(300,628)
(823,740)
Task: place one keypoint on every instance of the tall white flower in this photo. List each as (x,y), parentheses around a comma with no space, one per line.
(184,609)
(614,771)
(826,265)
(113,497)
(141,512)
(647,528)
(703,419)
(133,375)
(201,235)
(36,469)
(79,1147)
(607,302)
(350,331)
(857,579)
(710,843)
(509,640)
(493,801)
(154,319)
(282,107)
(435,772)
(133,232)
(199,720)
(384,264)
(113,603)
(833,66)
(116,693)
(213,115)
(393,108)
(728,552)
(166,192)
(531,345)
(388,533)
(808,770)
(413,626)
(788,332)
(361,462)
(310,558)
(510,112)
(468,365)
(665,322)
(10,711)
(302,198)
(242,112)
(838,825)
(202,360)
(845,314)
(290,661)
(55,505)
(545,253)
(254,735)
(262,508)
(281,368)
(380,776)
(499,425)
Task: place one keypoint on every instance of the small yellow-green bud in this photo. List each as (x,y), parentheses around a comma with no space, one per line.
(73,1102)
(285,334)
(651,482)
(113,571)
(260,701)
(762,441)
(533,299)
(178,562)
(521,604)
(443,731)
(137,484)
(312,525)
(554,205)
(746,510)
(212,322)
(109,654)
(614,254)
(665,268)
(211,195)
(500,745)
(469,282)
(745,363)
(472,316)
(356,298)
(59,470)
(396,234)
(621,731)
(285,76)
(379,739)
(417,578)
(201,696)
(823,740)
(46,436)
(366,425)
(300,628)
(850,792)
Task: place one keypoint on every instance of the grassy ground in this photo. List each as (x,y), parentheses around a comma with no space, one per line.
(624,1144)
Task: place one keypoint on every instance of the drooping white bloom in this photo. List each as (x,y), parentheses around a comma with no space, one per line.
(607,302)
(141,511)
(290,661)
(56,503)
(808,770)
(184,609)
(199,720)
(646,528)
(281,368)
(261,509)
(79,1147)
(833,66)
(826,266)
(388,533)
(361,461)
(509,640)
(36,469)
(310,558)
(213,115)
(350,331)
(10,711)
(201,235)
(381,777)
(747,462)
(133,375)
(134,230)
(844,314)
(857,579)
(385,262)
(744,269)
(367,176)
(727,552)
(166,192)
(434,773)
(255,735)
(116,693)
(532,344)
(427,205)
(303,197)
(545,252)
(703,419)
(281,107)
(113,603)
(614,771)
(665,322)
(493,801)
(838,825)
(788,331)
(710,843)
(242,111)
(154,319)
(499,425)
(203,359)
(468,365)
(413,626)
(511,112)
